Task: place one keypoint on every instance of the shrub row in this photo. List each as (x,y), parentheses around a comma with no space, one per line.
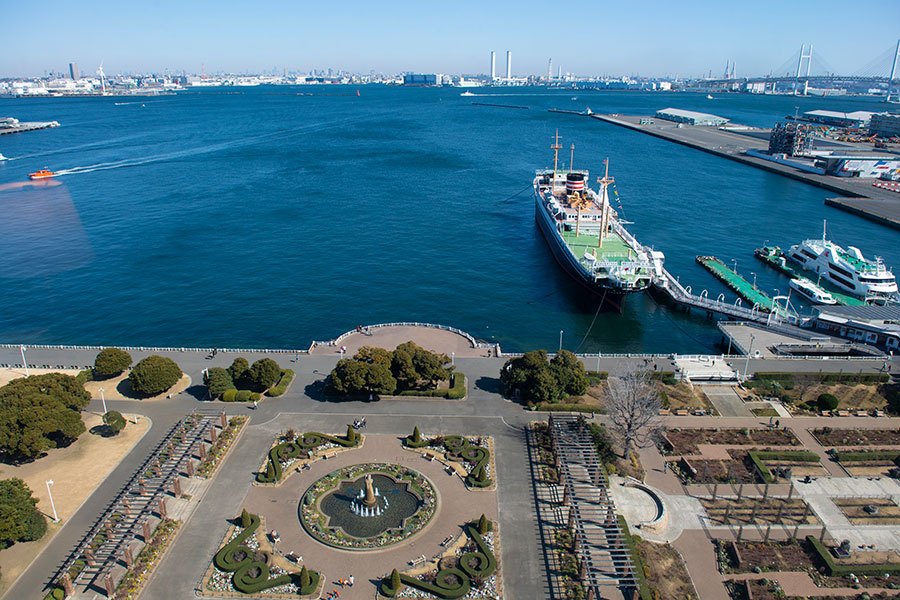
(233,395)
(307,441)
(456,391)
(892,455)
(550,407)
(787,379)
(835,569)
(758,456)
(643,586)
(287,376)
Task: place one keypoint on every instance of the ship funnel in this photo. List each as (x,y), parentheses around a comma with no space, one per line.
(574,183)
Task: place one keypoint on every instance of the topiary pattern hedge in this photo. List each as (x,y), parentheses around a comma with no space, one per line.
(306,442)
(252,576)
(461,449)
(453,582)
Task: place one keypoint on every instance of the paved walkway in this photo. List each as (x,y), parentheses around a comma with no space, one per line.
(430,338)
(456,506)
(726,401)
(700,558)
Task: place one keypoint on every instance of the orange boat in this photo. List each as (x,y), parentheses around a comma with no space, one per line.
(42,174)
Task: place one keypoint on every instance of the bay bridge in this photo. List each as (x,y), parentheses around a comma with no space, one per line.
(805,70)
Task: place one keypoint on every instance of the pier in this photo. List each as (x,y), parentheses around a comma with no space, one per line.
(736,283)
(774,257)
(857,196)
(15,126)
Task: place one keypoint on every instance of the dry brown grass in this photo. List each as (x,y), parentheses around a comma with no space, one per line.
(665,571)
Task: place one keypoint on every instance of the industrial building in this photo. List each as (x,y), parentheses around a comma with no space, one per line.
(871,166)
(858,118)
(791,139)
(876,325)
(886,125)
(423,79)
(688,116)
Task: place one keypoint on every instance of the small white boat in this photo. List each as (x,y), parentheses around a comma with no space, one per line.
(812,292)
(2,158)
(467,93)
(587,111)
(709,97)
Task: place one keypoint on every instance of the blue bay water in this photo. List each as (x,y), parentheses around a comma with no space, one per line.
(263,218)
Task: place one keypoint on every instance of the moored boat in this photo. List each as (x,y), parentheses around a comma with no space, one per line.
(586,236)
(811,291)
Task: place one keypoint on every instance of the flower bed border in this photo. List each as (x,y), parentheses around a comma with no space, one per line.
(217,453)
(310,513)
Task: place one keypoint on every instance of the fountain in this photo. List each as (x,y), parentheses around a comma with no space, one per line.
(369,502)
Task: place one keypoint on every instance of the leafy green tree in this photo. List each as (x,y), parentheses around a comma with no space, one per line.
(20,521)
(402,367)
(245,519)
(827,401)
(265,373)
(115,421)
(40,412)
(417,435)
(483,524)
(426,365)
(379,379)
(218,381)
(240,372)
(395,579)
(305,579)
(111,362)
(351,433)
(569,372)
(154,375)
(352,378)
(371,354)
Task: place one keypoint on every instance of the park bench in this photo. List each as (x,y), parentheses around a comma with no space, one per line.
(665,412)
(878,413)
(447,540)
(843,413)
(826,413)
(862,413)
(699,412)
(429,456)
(293,557)
(681,412)
(331,454)
(417,561)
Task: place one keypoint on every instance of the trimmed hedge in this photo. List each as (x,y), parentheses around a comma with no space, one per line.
(456,391)
(453,582)
(228,395)
(643,586)
(289,450)
(549,407)
(233,395)
(835,569)
(892,455)
(758,456)
(287,376)
(227,560)
(787,379)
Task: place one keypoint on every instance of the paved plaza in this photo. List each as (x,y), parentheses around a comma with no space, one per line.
(484,412)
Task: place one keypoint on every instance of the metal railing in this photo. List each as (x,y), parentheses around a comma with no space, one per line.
(475,343)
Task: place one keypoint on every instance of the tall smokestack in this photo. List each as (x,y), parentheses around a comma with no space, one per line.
(493,65)
(508,65)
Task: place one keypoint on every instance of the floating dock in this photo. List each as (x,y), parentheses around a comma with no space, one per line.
(858,196)
(774,257)
(736,283)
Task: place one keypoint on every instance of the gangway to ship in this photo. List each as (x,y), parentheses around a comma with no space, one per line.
(666,283)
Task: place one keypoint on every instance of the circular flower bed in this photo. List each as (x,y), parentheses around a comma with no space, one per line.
(317,524)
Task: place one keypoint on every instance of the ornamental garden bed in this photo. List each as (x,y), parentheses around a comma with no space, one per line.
(869,511)
(224,442)
(684,442)
(131,584)
(472,454)
(467,570)
(246,566)
(836,438)
(870,463)
(761,557)
(288,449)
(748,466)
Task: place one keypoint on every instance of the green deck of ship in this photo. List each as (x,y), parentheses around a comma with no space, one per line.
(771,259)
(614,249)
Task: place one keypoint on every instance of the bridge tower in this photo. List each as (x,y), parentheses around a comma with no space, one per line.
(893,70)
(808,58)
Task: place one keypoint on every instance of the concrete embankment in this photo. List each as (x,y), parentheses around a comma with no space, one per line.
(858,196)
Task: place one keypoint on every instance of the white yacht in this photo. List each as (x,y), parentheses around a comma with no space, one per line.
(2,158)
(846,268)
(812,292)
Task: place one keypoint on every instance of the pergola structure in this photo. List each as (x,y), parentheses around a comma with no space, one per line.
(600,544)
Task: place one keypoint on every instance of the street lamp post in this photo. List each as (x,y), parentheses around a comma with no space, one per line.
(52,506)
(754,279)
(560,339)
(734,264)
(103,399)
(749,354)
(24,362)
(453,359)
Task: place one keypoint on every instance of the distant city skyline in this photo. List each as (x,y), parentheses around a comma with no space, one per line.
(659,39)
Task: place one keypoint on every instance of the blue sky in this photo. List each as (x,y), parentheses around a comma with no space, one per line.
(651,37)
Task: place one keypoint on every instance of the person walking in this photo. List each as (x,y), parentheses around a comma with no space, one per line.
(351,580)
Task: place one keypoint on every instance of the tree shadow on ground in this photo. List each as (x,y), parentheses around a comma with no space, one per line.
(102,430)
(489,384)
(198,392)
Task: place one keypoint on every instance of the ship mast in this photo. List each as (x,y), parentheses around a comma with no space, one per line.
(556,147)
(604,203)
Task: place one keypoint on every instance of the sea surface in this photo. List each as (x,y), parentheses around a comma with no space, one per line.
(269,217)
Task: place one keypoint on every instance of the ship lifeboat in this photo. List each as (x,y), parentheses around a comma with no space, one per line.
(42,174)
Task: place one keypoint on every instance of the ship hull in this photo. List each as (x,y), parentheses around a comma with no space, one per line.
(613,299)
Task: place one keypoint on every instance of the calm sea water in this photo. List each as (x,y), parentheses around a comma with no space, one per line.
(260,217)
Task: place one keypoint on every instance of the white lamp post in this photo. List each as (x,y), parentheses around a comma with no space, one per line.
(103,399)
(749,353)
(560,339)
(754,279)
(453,359)
(24,362)
(52,506)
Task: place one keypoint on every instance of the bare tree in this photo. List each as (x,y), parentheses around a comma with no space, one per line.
(633,404)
